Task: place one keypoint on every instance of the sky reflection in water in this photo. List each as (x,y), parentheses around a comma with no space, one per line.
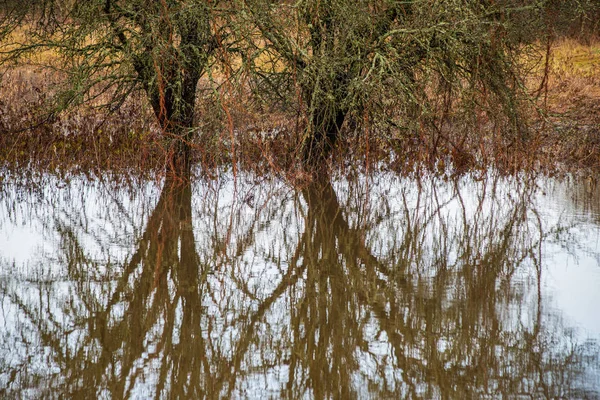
(367,288)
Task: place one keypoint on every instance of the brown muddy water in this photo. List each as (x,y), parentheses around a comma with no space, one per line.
(379,287)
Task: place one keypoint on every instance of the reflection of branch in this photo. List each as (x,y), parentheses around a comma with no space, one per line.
(472,322)
(426,307)
(144,298)
(231,372)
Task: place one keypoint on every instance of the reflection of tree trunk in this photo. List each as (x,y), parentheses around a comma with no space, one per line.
(345,280)
(340,276)
(188,354)
(165,252)
(166,260)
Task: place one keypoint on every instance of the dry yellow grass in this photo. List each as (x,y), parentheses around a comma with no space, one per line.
(22,37)
(574,75)
(572,137)
(573,57)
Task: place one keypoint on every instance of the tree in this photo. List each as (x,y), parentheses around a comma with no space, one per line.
(110,49)
(349,57)
(348,60)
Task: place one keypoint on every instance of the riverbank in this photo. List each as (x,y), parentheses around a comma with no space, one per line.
(563,135)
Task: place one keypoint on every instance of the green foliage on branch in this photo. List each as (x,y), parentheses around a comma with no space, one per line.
(353,59)
(403,64)
(109,49)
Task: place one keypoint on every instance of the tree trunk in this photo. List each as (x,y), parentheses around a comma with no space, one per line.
(323,135)
(179,162)
(176,122)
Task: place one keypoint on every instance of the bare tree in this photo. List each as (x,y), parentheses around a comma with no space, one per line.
(109,49)
(354,58)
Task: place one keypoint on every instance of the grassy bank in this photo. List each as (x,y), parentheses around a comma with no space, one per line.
(564,135)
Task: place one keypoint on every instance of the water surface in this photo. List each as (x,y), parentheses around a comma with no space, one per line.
(379,287)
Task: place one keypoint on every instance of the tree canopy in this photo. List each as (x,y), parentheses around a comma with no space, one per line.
(109,49)
(355,57)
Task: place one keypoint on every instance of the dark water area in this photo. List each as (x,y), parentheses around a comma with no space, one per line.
(380,287)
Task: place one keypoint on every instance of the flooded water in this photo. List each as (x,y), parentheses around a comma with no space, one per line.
(380,287)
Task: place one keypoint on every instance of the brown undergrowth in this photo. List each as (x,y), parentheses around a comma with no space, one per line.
(564,135)
(571,132)
(82,139)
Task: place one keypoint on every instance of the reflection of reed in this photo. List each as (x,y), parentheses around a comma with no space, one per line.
(581,196)
(419,297)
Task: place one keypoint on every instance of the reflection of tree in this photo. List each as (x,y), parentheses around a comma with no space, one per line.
(110,332)
(150,320)
(583,194)
(439,313)
(425,296)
